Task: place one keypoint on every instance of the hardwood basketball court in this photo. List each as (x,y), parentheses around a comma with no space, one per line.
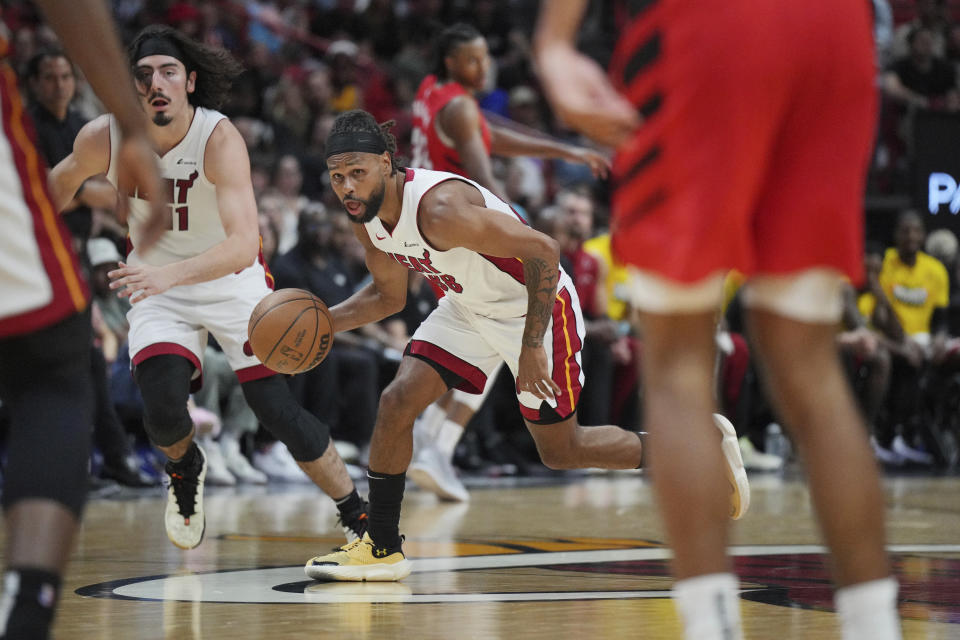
(578,557)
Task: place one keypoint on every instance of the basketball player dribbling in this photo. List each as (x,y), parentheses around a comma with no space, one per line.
(507,300)
(44,328)
(450,133)
(758,121)
(204,274)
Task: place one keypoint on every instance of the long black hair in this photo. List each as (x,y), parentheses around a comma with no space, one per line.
(359,121)
(215,68)
(449,39)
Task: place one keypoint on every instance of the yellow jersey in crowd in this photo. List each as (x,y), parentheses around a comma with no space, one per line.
(617,276)
(914,292)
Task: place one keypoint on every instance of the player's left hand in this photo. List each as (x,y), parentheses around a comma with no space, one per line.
(599,164)
(141,281)
(583,97)
(533,374)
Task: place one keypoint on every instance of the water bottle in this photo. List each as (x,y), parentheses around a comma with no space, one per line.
(776,443)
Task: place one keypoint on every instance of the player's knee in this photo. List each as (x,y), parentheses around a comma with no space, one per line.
(396,405)
(164,383)
(305,436)
(557,453)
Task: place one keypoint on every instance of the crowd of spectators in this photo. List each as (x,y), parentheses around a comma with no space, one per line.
(308,60)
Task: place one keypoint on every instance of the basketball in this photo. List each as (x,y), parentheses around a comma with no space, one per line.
(290,331)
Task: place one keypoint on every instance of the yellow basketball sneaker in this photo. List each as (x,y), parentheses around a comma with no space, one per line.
(736,474)
(360,560)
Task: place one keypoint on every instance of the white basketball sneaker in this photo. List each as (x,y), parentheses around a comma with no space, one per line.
(736,474)
(218,474)
(184,518)
(238,464)
(278,464)
(433,472)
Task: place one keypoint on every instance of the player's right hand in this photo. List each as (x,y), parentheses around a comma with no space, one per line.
(582,96)
(533,374)
(138,171)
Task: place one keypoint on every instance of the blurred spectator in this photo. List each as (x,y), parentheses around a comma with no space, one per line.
(284,202)
(110,334)
(342,57)
(932,15)
(922,79)
(104,258)
(289,113)
(52,81)
(917,287)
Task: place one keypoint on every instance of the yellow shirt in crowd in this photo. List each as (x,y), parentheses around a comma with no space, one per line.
(914,292)
(617,275)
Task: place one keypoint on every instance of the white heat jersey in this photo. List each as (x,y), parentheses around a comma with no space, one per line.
(194,216)
(486,285)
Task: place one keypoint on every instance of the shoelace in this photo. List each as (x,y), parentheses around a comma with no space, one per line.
(185,493)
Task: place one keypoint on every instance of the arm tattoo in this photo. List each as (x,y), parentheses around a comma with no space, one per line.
(541,278)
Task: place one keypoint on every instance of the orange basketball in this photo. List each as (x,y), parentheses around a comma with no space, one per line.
(290,331)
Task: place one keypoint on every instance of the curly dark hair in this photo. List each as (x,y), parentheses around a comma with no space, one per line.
(358,120)
(215,68)
(448,40)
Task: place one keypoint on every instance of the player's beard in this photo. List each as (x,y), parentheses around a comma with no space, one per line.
(161,119)
(371,206)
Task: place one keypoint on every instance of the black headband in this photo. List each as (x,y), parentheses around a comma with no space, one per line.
(160,46)
(354,142)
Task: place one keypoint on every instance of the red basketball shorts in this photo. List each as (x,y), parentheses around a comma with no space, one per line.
(759,121)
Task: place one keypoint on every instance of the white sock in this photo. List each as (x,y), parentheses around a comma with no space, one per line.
(449,436)
(869,610)
(709,607)
(431,420)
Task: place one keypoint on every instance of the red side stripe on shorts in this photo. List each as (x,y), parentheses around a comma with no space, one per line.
(566,346)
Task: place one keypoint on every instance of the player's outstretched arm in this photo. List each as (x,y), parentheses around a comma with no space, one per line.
(383,297)
(80,23)
(453,215)
(460,121)
(508,142)
(576,86)
(90,157)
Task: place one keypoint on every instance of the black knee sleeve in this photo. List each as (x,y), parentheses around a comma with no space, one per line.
(45,383)
(164,383)
(271,400)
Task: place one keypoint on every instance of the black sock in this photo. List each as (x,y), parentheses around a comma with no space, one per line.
(386,496)
(190,464)
(643,451)
(34,594)
(349,505)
